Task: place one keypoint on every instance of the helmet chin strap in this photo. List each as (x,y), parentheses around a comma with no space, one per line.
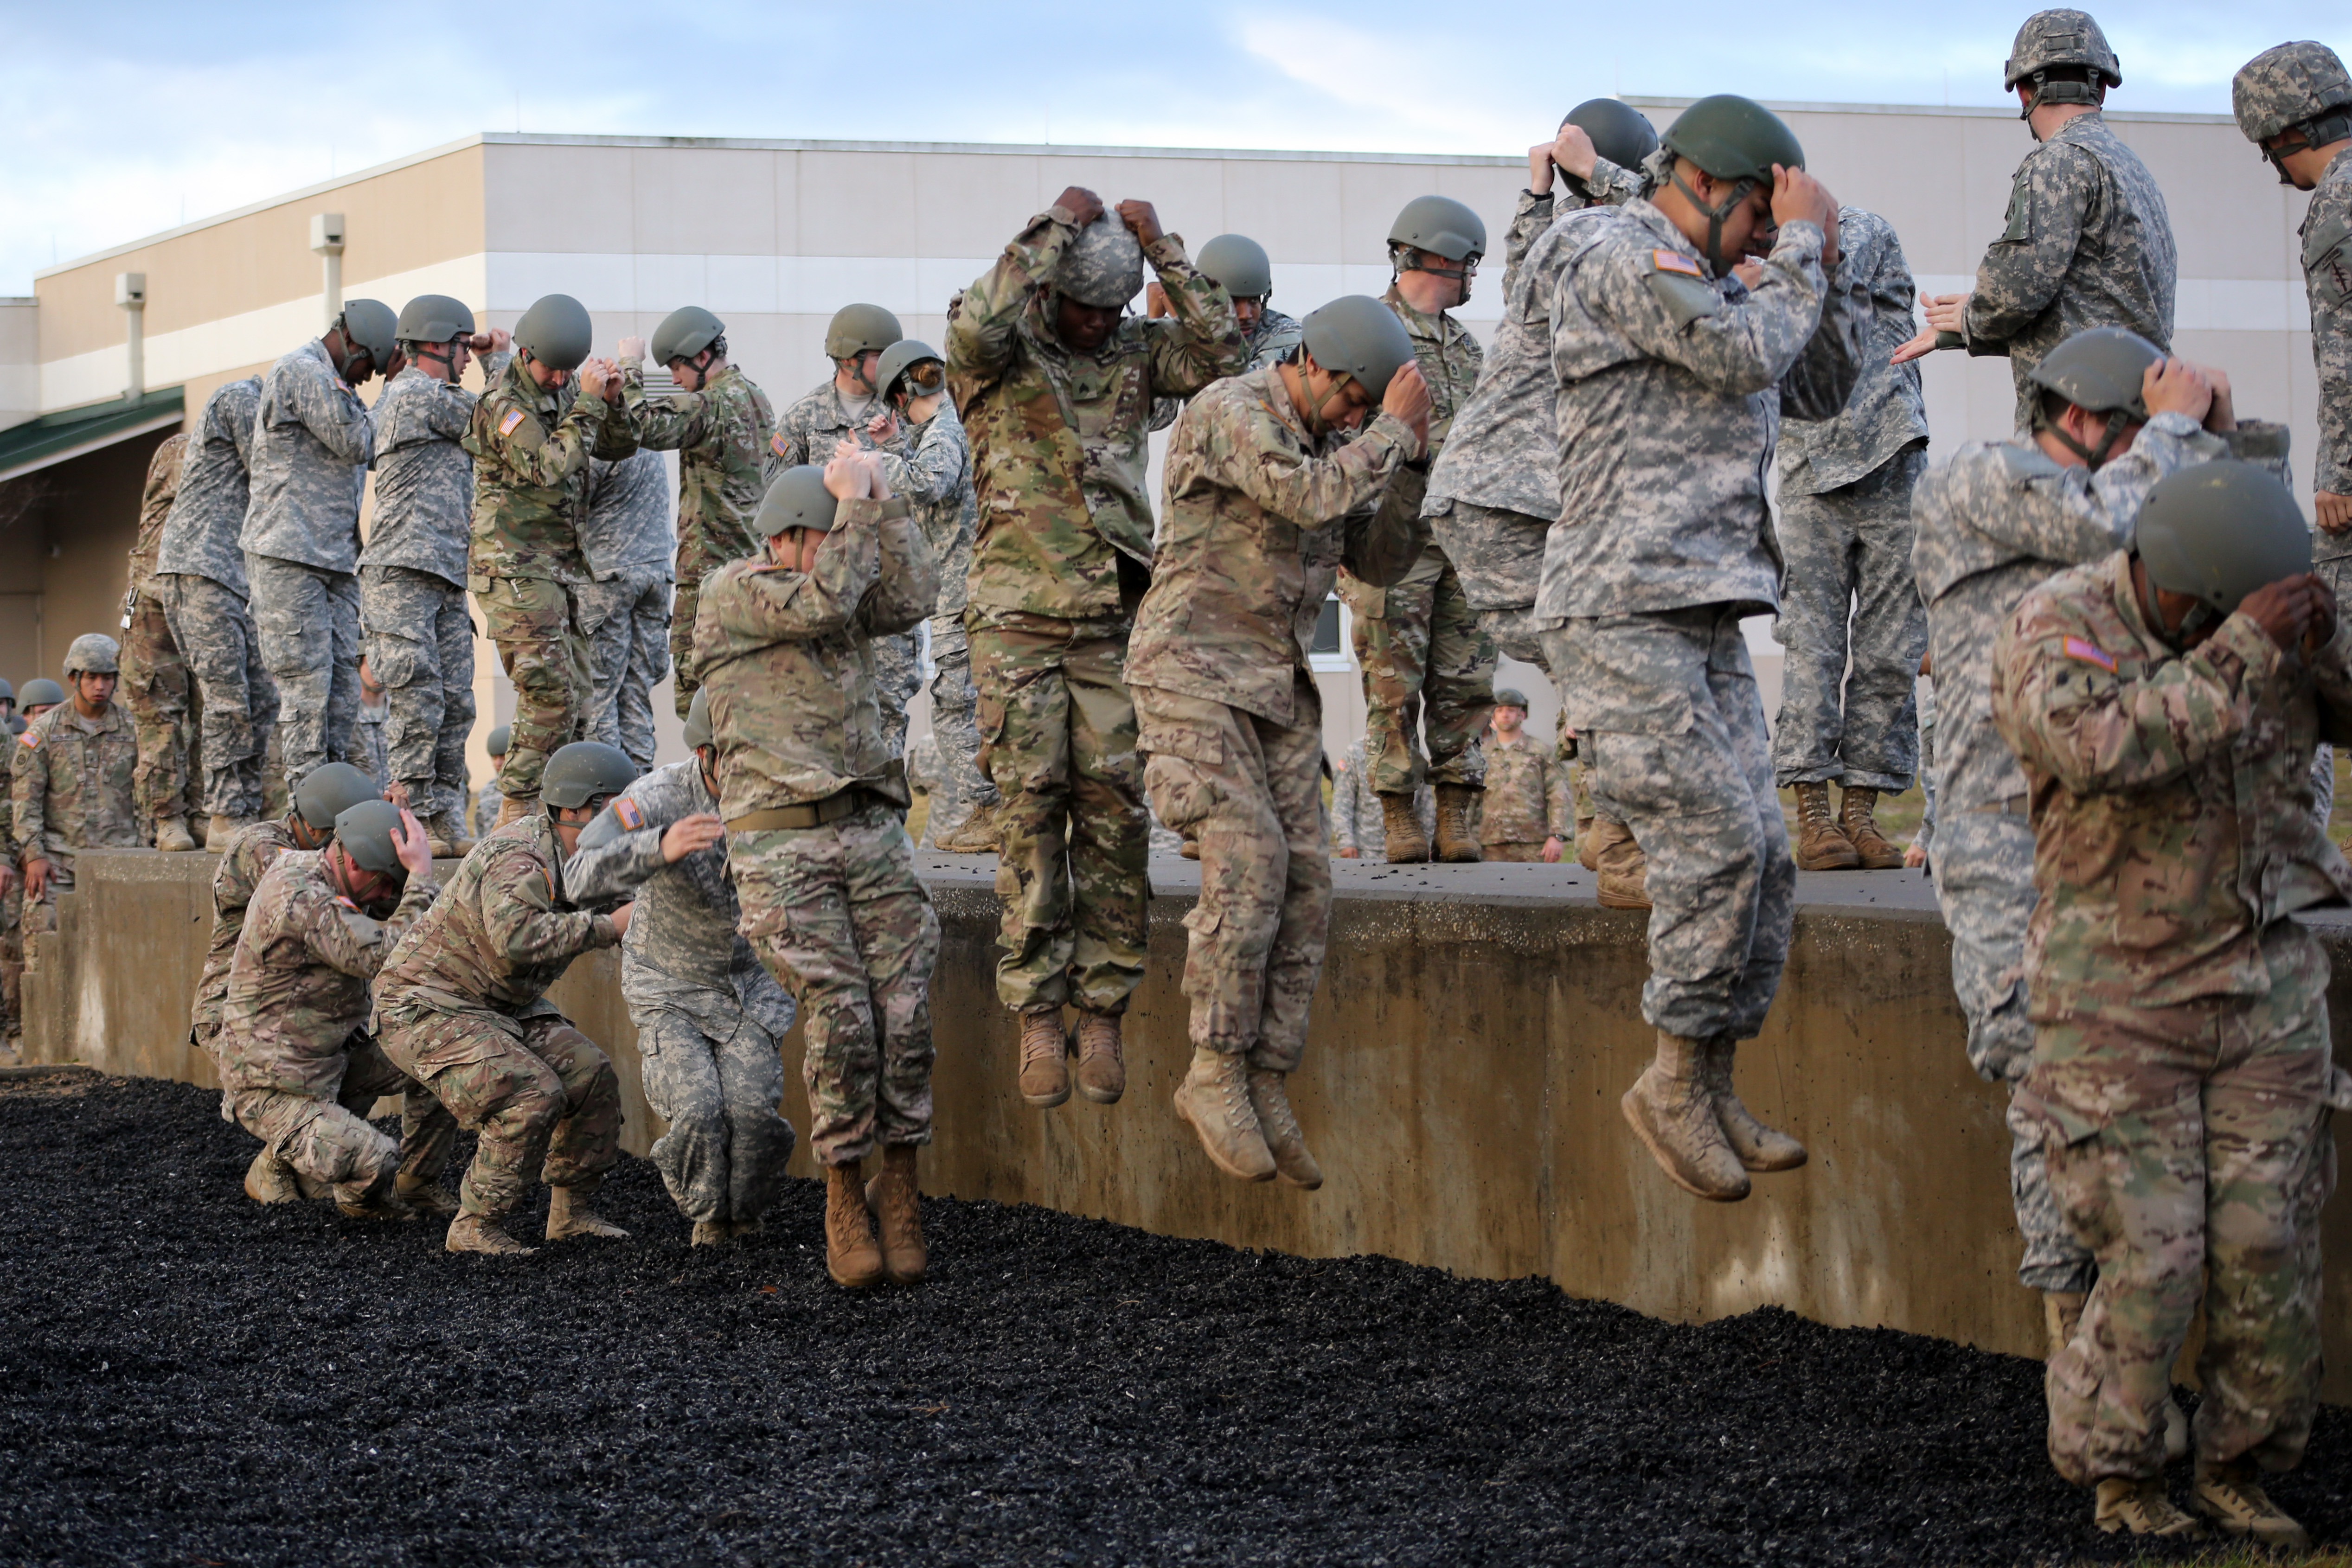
(2116,419)
(1462,272)
(1317,425)
(1740,191)
(2200,614)
(350,356)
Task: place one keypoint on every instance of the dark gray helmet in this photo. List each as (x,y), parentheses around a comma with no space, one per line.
(1511,697)
(1358,335)
(798,499)
(1240,266)
(2098,368)
(17,725)
(94,653)
(556,331)
(7,692)
(697,720)
(368,324)
(434,318)
(923,366)
(2220,531)
(2294,84)
(686,332)
(1620,132)
(41,692)
(326,793)
(1440,224)
(500,735)
(2060,38)
(365,832)
(1103,267)
(860,330)
(583,772)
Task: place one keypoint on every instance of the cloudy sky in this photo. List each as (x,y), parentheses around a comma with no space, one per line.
(133,116)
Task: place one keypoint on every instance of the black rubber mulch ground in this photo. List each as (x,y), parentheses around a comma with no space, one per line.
(185,1378)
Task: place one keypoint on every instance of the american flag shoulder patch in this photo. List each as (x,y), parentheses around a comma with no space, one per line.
(31,738)
(1675,261)
(2090,653)
(776,443)
(629,815)
(514,417)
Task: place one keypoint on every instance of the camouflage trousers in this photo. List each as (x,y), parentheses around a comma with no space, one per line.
(215,634)
(955,725)
(535,623)
(1855,630)
(332,1141)
(160,694)
(723,1156)
(1428,675)
(2190,1148)
(836,915)
(686,598)
(897,676)
(1983,863)
(1498,555)
(1250,791)
(1057,737)
(307,622)
(12,955)
(627,624)
(420,645)
(541,1095)
(1672,735)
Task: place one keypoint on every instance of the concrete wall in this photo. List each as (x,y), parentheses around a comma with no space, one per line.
(20,359)
(1474,1031)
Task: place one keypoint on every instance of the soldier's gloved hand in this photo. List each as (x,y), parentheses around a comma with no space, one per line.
(2333,511)
(2174,386)
(408,841)
(688,834)
(1083,205)
(620,918)
(36,878)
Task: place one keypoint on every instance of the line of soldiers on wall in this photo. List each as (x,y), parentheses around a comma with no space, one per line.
(2138,672)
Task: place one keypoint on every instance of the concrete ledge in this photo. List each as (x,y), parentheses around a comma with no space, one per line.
(1474,1031)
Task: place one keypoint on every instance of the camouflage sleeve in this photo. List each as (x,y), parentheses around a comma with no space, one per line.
(2022,270)
(789,446)
(616,435)
(1164,411)
(2327,281)
(533,454)
(1559,800)
(29,792)
(238,414)
(666,423)
(750,605)
(451,414)
(1610,186)
(1827,369)
(342,936)
(1528,219)
(611,870)
(1732,349)
(1345,783)
(929,475)
(906,579)
(1234,441)
(987,319)
(518,915)
(1201,341)
(333,413)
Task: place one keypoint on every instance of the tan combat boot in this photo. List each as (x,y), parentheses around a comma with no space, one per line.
(568,1213)
(975,835)
(1045,1058)
(424,1194)
(483,1233)
(1821,844)
(2230,1496)
(270,1180)
(378,1200)
(1279,1125)
(850,1255)
(221,829)
(1214,1097)
(1405,845)
(1856,812)
(1585,848)
(1672,1112)
(1190,849)
(513,808)
(711,1233)
(1758,1146)
(1620,871)
(448,832)
(1457,836)
(896,1201)
(2143,1508)
(172,836)
(2062,1313)
(1102,1066)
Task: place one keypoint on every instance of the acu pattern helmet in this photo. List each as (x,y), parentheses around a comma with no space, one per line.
(93,654)
(2061,39)
(1103,267)
(2220,531)
(326,793)
(2294,87)
(684,333)
(1730,138)
(585,772)
(2098,370)
(556,332)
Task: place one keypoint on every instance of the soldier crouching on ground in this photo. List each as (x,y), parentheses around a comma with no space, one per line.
(814,801)
(461,1007)
(708,1016)
(1269,489)
(298,1066)
(2166,702)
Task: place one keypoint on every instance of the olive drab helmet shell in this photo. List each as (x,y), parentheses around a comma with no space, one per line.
(369,325)
(93,654)
(1511,697)
(41,692)
(1441,225)
(1734,138)
(1240,266)
(860,330)
(1355,335)
(365,829)
(2295,84)
(1103,267)
(1620,132)
(7,692)
(585,770)
(556,331)
(2099,369)
(500,735)
(697,720)
(434,318)
(2220,531)
(798,499)
(686,332)
(326,793)
(2052,38)
(924,368)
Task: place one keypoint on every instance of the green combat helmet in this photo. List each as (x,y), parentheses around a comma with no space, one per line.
(1620,132)
(2098,370)
(2294,87)
(925,371)
(1441,226)
(500,736)
(1730,138)
(697,720)
(326,793)
(40,692)
(434,318)
(1511,697)
(365,832)
(686,332)
(556,332)
(2220,531)
(7,692)
(2052,39)
(371,331)
(798,499)
(1357,336)
(93,654)
(1240,266)
(860,330)
(1103,267)
(585,771)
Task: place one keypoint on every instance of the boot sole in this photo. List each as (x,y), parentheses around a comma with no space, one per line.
(1618,900)
(1235,1172)
(1664,1162)
(855,1281)
(1044,1102)
(1101,1097)
(1833,864)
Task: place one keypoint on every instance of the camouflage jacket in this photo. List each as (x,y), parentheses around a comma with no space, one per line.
(163,488)
(682,951)
(1266,343)
(2171,795)
(200,533)
(501,933)
(810,427)
(724,462)
(627,523)
(1508,456)
(788,659)
(244,861)
(423,476)
(299,984)
(1997,519)
(1528,797)
(1257,518)
(1358,822)
(1884,413)
(931,465)
(1671,390)
(2088,244)
(71,784)
(530,448)
(2327,281)
(1058,438)
(312,440)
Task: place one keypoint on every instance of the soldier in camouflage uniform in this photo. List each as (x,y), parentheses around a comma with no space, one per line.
(708,1016)
(1055,388)
(719,425)
(39,696)
(313,443)
(532,435)
(71,785)
(1530,808)
(1359,830)
(488,801)
(413,619)
(1270,485)
(1674,372)
(813,801)
(628,539)
(156,687)
(201,580)
(461,1007)
(298,1069)
(1849,614)
(2165,704)
(1241,268)
(2088,242)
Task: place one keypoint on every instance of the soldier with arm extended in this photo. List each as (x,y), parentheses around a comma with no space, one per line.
(156,687)
(628,537)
